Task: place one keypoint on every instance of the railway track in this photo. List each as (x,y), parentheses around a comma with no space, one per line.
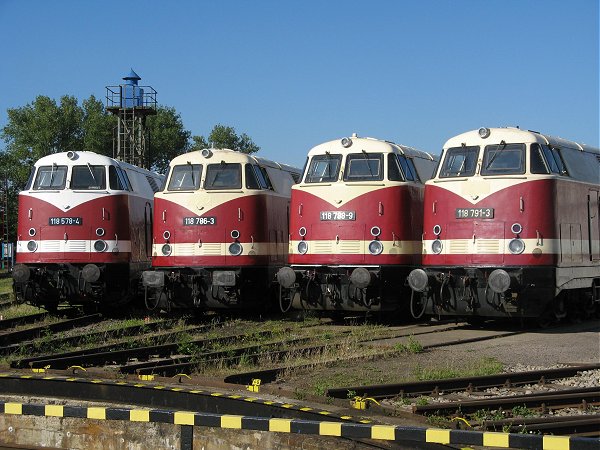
(116,354)
(580,425)
(272,374)
(467,384)
(580,398)
(8,338)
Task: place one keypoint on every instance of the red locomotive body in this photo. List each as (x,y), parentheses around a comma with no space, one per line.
(221,230)
(510,228)
(355,226)
(84,230)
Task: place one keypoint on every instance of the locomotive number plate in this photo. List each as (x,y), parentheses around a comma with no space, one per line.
(474,213)
(338,215)
(65,221)
(200,220)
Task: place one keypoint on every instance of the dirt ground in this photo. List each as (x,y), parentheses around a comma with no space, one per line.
(566,345)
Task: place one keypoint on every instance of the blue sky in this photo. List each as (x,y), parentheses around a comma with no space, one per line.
(293,74)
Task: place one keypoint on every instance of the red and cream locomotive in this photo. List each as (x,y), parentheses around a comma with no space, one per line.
(511,228)
(355,226)
(220,231)
(84,230)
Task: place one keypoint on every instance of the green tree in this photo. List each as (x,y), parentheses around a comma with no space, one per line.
(97,126)
(223,136)
(168,138)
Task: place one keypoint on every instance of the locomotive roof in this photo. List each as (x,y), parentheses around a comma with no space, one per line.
(230,156)
(368,144)
(85,157)
(513,135)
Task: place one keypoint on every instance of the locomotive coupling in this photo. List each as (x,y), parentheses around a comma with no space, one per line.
(21,273)
(286,277)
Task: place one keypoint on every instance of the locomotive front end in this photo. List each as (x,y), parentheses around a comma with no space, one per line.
(354,226)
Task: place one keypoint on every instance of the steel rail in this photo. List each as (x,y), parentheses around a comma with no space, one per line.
(7,324)
(33,346)
(12,337)
(559,425)
(469,384)
(93,357)
(580,397)
(176,368)
(29,362)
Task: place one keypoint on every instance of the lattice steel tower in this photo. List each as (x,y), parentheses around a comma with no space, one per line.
(5,247)
(131,104)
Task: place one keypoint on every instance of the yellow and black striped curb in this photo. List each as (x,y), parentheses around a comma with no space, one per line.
(311,427)
(188,390)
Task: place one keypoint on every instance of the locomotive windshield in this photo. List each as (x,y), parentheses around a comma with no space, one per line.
(460,162)
(88,177)
(401,168)
(364,167)
(323,168)
(223,176)
(185,177)
(50,177)
(503,159)
(546,160)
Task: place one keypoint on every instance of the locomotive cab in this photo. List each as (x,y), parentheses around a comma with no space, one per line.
(510,228)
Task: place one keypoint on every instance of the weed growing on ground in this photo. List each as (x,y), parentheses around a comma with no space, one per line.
(484,366)
(412,346)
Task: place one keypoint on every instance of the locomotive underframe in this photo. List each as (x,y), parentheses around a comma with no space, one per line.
(330,288)
(48,285)
(210,288)
(533,293)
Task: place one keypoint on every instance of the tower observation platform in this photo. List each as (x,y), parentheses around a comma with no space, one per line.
(132,104)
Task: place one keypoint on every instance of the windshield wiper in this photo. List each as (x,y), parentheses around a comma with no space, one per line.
(52,174)
(367,160)
(192,169)
(496,154)
(92,173)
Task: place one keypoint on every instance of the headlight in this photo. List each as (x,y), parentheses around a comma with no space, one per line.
(302,247)
(516,228)
(437,230)
(436,246)
(375,231)
(484,132)
(32,246)
(375,247)
(32,232)
(100,246)
(235,248)
(166,235)
(302,231)
(234,234)
(166,249)
(516,246)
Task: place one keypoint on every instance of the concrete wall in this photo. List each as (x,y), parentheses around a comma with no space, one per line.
(91,434)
